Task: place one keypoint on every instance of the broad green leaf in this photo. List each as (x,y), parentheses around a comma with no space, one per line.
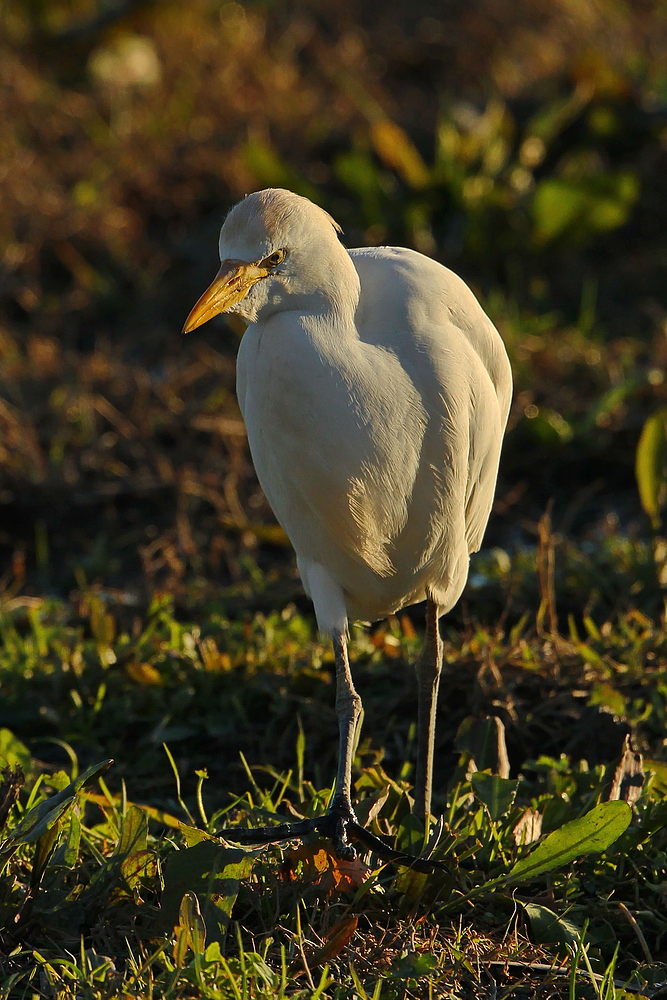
(411,883)
(140,866)
(213,953)
(67,853)
(43,816)
(193,835)
(133,831)
(651,465)
(582,206)
(410,833)
(369,808)
(587,835)
(497,794)
(191,930)
(548,928)
(137,863)
(43,851)
(13,752)
(605,694)
(70,846)
(58,780)
(657,789)
(214,873)
(414,966)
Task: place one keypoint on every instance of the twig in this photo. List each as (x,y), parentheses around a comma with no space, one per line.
(638,931)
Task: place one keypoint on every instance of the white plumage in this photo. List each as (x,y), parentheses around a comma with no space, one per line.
(375,392)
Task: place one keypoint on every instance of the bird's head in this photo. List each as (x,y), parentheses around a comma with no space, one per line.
(278,251)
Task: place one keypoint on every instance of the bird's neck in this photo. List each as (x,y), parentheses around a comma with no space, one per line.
(339,290)
(330,292)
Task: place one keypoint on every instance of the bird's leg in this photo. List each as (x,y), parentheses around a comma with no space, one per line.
(349,711)
(428,667)
(340,823)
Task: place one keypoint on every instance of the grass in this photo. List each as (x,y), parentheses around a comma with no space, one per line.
(119,886)
(150,610)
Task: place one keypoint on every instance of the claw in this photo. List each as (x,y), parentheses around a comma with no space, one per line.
(342,846)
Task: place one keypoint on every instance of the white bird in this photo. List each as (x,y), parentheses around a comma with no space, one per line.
(375,392)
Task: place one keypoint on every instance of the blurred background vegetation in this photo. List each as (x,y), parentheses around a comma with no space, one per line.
(523,144)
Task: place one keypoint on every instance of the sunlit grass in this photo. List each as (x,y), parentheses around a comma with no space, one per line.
(113,895)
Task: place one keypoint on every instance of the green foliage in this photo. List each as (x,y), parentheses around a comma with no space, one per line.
(594,832)
(651,465)
(185,913)
(579,208)
(213,873)
(496,793)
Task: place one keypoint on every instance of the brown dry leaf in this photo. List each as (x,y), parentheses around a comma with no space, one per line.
(377,638)
(529,827)
(143,673)
(391,646)
(629,776)
(323,869)
(339,935)
(407,628)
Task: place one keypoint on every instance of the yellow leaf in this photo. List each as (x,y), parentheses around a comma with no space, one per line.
(650,465)
(407,628)
(143,673)
(399,153)
(337,938)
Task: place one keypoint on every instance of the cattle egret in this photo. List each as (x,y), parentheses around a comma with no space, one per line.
(375,393)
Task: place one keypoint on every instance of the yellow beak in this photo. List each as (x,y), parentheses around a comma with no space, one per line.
(231,284)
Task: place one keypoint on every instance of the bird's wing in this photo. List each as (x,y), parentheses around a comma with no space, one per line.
(335,437)
(459,365)
(487,424)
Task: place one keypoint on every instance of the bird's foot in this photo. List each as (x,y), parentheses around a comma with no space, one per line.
(335,825)
(340,825)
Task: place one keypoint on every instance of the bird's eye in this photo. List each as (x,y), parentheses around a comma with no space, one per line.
(274,259)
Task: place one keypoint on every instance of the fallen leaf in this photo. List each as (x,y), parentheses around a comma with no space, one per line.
(339,935)
(629,776)
(529,828)
(323,869)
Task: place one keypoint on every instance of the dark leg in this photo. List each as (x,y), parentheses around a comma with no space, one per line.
(340,819)
(427,667)
(340,823)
